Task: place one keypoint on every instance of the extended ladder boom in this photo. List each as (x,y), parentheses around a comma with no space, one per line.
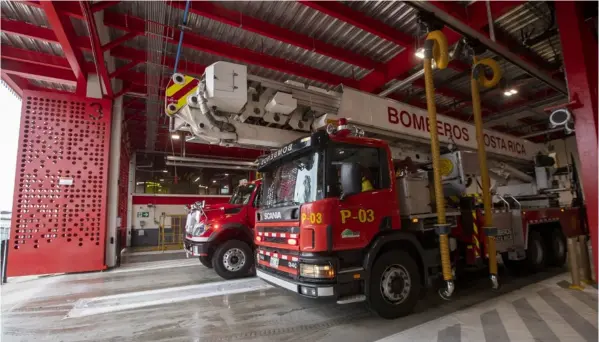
(229,107)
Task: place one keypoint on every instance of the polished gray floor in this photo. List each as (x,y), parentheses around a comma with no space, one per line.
(180,300)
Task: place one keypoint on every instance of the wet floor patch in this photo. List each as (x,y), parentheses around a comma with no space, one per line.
(135,300)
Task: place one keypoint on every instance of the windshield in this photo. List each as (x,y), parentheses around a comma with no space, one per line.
(242,194)
(295,181)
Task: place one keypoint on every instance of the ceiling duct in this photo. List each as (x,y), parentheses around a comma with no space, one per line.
(211,166)
(157,15)
(210,161)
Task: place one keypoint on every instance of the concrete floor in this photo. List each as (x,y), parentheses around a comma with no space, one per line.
(180,300)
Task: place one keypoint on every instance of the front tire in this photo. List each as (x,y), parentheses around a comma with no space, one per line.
(206,261)
(536,254)
(394,285)
(233,259)
(558,252)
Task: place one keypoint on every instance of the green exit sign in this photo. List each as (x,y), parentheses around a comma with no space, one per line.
(143,214)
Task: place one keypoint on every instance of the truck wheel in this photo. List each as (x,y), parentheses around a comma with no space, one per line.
(233,259)
(394,285)
(558,251)
(513,266)
(536,254)
(206,261)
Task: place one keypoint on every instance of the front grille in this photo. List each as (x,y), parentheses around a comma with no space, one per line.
(278,229)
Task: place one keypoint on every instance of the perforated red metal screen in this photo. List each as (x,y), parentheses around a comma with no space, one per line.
(59,210)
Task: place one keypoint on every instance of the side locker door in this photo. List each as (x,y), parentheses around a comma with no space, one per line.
(363,215)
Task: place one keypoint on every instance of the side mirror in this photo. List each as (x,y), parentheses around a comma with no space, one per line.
(351,179)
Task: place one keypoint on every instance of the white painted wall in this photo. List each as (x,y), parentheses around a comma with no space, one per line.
(155,211)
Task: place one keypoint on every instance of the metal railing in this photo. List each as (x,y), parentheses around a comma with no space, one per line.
(171,232)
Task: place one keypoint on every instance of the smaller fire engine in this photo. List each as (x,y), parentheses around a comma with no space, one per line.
(221,235)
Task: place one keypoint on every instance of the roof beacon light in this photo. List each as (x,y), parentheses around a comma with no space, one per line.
(344,129)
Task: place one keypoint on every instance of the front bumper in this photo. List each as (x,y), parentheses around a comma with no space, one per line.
(319,290)
(196,248)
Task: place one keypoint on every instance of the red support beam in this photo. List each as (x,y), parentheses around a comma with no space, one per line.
(38,72)
(97,51)
(68,8)
(22,29)
(579,51)
(124,68)
(248,23)
(101,5)
(63,29)
(119,41)
(197,42)
(26,30)
(16,83)
(123,52)
(40,58)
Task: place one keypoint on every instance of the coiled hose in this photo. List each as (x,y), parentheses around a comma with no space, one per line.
(435,48)
(479,78)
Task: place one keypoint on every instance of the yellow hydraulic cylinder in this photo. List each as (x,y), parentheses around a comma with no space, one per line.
(435,48)
(478,77)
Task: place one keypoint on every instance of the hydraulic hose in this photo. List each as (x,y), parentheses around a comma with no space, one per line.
(435,48)
(478,77)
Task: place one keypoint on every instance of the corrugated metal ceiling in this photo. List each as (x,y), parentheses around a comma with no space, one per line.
(308,21)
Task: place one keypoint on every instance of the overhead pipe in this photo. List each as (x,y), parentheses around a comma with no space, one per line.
(546,131)
(211,166)
(171,120)
(490,18)
(478,78)
(413,77)
(435,47)
(210,160)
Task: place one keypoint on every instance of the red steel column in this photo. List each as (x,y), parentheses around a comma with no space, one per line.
(579,51)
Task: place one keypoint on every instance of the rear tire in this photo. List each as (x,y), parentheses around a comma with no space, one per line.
(233,259)
(558,253)
(206,261)
(536,254)
(394,285)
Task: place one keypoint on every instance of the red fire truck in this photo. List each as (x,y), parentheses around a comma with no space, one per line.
(221,234)
(320,232)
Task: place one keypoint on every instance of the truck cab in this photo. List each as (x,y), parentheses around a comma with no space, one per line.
(221,235)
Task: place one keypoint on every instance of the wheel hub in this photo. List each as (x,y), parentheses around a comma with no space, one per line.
(395,284)
(234,259)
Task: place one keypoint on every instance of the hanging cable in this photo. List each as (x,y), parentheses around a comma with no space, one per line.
(185,14)
(479,78)
(435,48)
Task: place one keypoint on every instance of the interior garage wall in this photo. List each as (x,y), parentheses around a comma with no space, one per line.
(144,230)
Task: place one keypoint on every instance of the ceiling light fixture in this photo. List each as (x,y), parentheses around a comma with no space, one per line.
(196,180)
(510,92)
(419,53)
(175,136)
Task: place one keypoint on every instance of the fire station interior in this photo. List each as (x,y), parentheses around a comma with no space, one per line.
(267,171)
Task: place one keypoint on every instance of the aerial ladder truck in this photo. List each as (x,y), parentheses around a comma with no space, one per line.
(355,204)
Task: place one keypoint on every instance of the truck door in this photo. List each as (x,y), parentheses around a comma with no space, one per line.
(254,203)
(361,216)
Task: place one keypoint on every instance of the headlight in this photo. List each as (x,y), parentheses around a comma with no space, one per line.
(317,271)
(198,229)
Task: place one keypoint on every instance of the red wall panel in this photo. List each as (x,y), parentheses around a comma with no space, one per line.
(59,208)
